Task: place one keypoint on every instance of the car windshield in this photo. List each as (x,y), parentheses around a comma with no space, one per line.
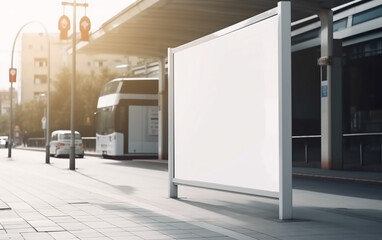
(66,136)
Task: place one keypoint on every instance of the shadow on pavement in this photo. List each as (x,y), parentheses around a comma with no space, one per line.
(143,164)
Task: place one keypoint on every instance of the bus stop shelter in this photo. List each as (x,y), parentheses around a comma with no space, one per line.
(148,28)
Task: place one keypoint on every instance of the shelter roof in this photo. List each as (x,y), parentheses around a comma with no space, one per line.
(150,27)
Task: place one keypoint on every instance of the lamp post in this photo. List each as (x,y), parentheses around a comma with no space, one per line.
(47,157)
(72,162)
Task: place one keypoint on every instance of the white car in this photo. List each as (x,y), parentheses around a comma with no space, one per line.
(60,143)
(3,141)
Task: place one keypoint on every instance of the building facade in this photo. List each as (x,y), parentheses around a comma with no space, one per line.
(5,103)
(358,35)
(34,64)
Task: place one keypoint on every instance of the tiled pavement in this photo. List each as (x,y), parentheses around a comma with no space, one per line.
(35,206)
(121,200)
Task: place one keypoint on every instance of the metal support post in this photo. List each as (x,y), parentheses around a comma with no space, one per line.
(360,154)
(72,163)
(47,143)
(326,17)
(285,75)
(331,95)
(10,138)
(173,188)
(163,112)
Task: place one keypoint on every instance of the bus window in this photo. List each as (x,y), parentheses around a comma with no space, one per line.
(110,88)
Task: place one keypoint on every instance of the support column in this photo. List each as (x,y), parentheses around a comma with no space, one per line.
(331,95)
(163,112)
(173,188)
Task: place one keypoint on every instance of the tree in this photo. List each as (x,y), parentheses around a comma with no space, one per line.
(4,125)
(88,87)
(60,101)
(28,116)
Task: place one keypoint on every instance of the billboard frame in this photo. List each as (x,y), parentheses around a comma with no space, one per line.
(283,13)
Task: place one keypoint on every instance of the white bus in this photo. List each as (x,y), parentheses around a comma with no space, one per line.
(127,119)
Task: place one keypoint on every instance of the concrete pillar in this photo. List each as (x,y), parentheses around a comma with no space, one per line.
(163,112)
(331,95)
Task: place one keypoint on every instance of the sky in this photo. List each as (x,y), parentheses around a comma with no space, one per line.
(16,13)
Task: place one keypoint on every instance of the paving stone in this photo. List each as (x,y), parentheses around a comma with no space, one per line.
(49,229)
(4,206)
(98,225)
(72,226)
(37,236)
(119,233)
(21,230)
(12,236)
(151,235)
(62,219)
(63,235)
(124,238)
(125,224)
(137,228)
(87,233)
(42,223)
(182,235)
(17,226)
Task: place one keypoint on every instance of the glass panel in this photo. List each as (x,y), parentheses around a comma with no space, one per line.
(105,121)
(110,88)
(367,15)
(340,24)
(315,33)
(67,136)
(140,86)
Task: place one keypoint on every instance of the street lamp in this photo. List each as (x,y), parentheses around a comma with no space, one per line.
(12,79)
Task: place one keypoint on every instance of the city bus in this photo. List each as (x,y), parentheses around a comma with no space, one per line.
(127,119)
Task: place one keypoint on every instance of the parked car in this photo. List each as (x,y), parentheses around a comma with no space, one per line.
(3,141)
(60,143)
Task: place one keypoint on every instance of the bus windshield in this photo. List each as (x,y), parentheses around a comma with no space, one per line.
(105,121)
(111,87)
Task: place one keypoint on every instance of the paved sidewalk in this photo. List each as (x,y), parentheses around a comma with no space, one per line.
(106,199)
(40,202)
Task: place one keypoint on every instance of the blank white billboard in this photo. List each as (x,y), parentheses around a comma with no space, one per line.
(226,108)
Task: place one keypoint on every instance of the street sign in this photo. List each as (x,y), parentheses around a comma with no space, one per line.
(43,122)
(12,75)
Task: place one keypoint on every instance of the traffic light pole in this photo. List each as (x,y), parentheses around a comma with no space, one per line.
(10,139)
(72,163)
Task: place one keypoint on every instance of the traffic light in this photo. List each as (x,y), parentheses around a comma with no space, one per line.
(64,26)
(85,26)
(12,75)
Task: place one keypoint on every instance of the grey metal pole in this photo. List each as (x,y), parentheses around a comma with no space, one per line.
(10,139)
(285,172)
(72,165)
(326,17)
(47,143)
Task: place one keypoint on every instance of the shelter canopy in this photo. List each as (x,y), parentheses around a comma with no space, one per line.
(150,27)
